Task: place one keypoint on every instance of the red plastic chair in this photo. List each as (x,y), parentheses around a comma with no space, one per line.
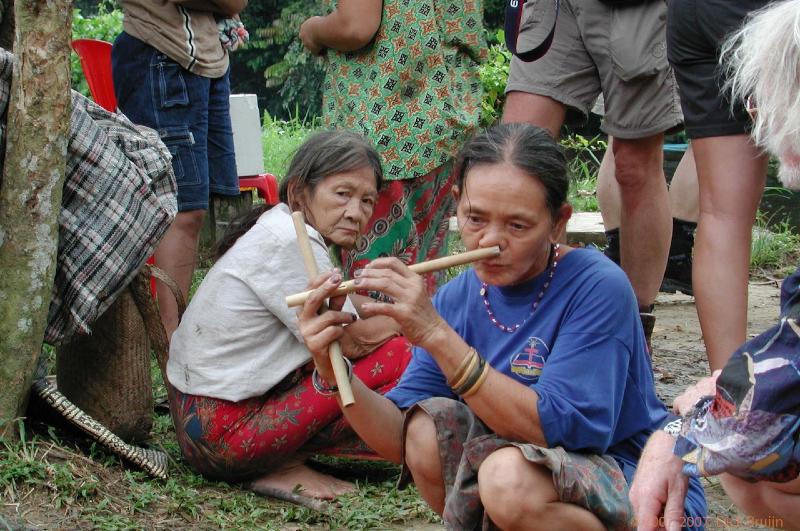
(95,57)
(265,184)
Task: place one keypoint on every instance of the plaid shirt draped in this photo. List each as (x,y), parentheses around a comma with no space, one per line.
(119,199)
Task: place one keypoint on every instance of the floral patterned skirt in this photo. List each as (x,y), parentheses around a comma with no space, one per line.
(238,441)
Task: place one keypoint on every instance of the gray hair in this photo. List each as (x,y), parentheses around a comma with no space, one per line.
(762,60)
(327,153)
(527,147)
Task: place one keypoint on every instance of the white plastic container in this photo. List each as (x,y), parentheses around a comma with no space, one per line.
(246,122)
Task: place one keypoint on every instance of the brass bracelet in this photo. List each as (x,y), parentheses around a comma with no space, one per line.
(473,362)
(473,377)
(459,373)
(478,383)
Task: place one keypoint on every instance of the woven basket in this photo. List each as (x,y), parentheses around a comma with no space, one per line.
(107,373)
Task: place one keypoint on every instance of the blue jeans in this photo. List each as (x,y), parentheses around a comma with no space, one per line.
(191,114)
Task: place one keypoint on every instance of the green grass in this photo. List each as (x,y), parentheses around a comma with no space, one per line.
(774,246)
(88,487)
(280,139)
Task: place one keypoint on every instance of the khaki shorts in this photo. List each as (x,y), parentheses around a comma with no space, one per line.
(619,52)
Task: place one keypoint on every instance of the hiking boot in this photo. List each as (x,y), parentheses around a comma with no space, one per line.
(612,246)
(648,323)
(678,275)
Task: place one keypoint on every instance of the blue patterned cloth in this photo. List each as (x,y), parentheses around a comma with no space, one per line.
(750,427)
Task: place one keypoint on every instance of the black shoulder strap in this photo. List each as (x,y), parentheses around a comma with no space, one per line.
(514,10)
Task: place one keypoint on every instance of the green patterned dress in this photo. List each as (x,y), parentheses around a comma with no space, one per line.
(416,93)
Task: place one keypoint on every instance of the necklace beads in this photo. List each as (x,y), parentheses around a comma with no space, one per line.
(513,328)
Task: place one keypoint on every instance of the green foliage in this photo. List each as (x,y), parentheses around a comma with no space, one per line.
(22,466)
(298,74)
(494,12)
(774,244)
(494,75)
(105,25)
(584,156)
(281,138)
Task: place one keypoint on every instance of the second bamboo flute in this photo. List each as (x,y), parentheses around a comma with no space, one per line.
(423,267)
(335,350)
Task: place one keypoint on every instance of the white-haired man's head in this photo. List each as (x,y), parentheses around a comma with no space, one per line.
(763,63)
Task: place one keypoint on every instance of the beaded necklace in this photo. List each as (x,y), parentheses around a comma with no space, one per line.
(513,328)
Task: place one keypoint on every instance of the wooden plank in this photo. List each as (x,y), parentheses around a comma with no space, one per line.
(585,228)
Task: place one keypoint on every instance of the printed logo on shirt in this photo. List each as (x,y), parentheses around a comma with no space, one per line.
(529,363)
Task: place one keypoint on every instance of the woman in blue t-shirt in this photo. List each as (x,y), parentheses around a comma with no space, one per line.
(530,392)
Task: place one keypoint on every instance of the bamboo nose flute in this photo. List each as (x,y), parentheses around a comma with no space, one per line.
(335,350)
(429,266)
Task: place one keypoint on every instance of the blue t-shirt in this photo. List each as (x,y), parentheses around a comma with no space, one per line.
(583,351)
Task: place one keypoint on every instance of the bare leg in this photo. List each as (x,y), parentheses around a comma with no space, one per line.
(608,190)
(731,173)
(176,254)
(296,476)
(770,504)
(534,109)
(422,459)
(683,190)
(645,220)
(519,495)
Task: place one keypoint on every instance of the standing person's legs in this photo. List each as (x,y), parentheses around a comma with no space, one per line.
(534,109)
(189,112)
(683,189)
(645,227)
(540,92)
(683,200)
(731,172)
(176,254)
(608,191)
(684,196)
(641,104)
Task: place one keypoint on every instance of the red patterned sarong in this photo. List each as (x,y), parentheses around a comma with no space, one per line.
(237,441)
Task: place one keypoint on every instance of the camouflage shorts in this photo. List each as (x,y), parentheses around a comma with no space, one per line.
(593,482)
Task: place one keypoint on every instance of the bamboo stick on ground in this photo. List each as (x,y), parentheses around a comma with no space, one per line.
(335,350)
(430,266)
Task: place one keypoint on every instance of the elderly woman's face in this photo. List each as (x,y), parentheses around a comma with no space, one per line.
(340,205)
(505,206)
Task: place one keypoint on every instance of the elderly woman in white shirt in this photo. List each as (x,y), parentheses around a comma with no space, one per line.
(242,398)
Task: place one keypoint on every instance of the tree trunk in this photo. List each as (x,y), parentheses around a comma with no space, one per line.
(30,196)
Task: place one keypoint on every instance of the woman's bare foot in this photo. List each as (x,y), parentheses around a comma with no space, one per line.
(295,476)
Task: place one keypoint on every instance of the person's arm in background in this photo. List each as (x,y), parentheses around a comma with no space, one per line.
(659,487)
(350,26)
(223,7)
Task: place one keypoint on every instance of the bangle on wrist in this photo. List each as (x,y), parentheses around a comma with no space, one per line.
(459,372)
(478,383)
(329,390)
(465,369)
(472,377)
